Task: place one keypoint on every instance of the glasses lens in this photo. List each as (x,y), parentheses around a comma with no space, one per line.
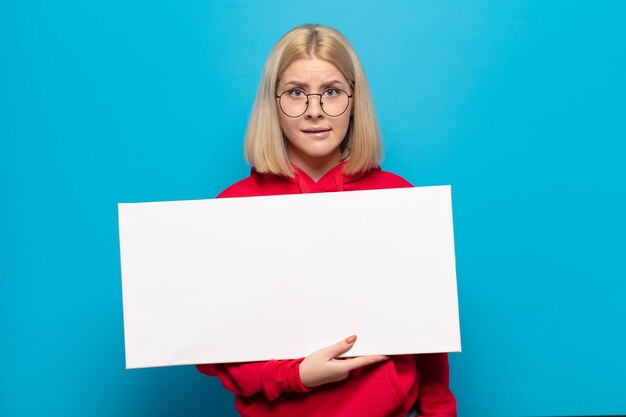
(293,103)
(335,102)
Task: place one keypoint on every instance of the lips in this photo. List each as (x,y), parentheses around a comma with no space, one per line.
(317,132)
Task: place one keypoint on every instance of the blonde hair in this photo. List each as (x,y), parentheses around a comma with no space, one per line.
(264,146)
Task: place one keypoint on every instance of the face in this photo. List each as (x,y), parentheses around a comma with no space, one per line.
(314,138)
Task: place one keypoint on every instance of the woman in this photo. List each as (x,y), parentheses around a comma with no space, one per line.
(313,129)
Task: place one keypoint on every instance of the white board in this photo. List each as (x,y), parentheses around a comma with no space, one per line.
(258,278)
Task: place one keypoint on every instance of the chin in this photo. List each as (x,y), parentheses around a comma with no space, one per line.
(319,154)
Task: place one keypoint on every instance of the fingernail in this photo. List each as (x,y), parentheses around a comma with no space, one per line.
(350,340)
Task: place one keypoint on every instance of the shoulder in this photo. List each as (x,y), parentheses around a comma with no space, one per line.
(379,179)
(257,185)
(393,180)
(247,187)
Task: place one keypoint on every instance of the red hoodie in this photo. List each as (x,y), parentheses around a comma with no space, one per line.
(385,389)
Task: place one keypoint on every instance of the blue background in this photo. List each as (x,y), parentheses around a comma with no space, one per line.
(518,104)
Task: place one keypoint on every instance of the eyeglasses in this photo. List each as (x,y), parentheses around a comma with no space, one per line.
(294,102)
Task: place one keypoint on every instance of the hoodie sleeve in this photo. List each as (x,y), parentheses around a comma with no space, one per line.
(271,378)
(435,398)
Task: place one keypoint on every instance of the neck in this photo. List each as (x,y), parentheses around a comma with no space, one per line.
(314,167)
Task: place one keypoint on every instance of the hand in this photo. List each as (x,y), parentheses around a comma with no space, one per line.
(322,367)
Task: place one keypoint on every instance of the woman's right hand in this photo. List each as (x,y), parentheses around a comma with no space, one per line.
(323,366)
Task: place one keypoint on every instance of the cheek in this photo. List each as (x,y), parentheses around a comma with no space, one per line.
(346,122)
(284,124)
(287,126)
(284,121)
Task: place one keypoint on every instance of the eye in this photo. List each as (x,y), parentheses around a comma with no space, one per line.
(331,92)
(296,92)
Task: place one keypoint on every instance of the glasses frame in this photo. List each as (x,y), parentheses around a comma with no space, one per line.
(307,101)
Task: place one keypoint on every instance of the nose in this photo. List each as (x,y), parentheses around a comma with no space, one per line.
(314,109)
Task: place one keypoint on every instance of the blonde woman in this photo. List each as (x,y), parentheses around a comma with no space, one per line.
(313,129)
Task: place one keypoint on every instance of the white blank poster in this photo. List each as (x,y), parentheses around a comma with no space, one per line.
(257,278)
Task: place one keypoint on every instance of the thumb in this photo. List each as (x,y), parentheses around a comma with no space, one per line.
(340,347)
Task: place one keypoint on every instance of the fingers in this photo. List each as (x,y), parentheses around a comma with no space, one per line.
(361,361)
(323,366)
(340,347)
(350,364)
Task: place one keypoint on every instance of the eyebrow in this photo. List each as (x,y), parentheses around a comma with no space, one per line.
(297,83)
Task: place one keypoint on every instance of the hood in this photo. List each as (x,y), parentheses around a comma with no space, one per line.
(301,182)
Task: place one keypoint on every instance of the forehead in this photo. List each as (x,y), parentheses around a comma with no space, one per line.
(312,71)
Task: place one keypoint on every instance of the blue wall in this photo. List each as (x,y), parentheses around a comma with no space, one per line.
(520,105)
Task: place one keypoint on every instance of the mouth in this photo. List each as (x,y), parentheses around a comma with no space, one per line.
(315,129)
(317,132)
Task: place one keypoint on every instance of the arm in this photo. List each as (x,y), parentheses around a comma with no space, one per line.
(272,378)
(434,397)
